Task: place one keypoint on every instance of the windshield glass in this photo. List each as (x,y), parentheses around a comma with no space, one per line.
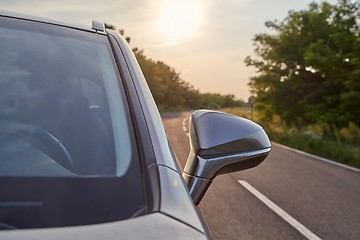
(67,149)
(61,111)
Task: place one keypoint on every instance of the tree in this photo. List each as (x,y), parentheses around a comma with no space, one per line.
(309,70)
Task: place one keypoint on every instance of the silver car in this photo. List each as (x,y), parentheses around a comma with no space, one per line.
(83,151)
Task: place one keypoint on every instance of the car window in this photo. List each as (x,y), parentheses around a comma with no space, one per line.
(93,91)
(60,89)
(67,147)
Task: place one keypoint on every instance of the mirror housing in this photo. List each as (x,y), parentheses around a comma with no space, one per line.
(221,143)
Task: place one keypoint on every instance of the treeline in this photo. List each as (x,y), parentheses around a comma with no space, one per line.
(171,92)
(309,67)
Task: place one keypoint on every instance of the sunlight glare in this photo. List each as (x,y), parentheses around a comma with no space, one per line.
(179,19)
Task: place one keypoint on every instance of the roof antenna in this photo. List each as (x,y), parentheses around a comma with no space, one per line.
(98,26)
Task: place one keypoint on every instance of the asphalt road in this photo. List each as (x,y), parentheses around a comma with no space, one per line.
(320,197)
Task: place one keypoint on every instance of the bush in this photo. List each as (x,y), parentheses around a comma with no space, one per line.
(341,145)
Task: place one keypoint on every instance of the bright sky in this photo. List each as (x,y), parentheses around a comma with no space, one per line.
(205,40)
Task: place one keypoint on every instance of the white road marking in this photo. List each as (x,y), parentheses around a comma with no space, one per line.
(284,215)
(184,126)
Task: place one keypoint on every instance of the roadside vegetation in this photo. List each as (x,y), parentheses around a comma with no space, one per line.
(307,85)
(321,139)
(308,68)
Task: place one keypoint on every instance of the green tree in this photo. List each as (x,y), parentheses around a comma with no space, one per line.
(165,83)
(309,69)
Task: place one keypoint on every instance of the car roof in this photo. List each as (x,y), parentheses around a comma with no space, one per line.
(95,25)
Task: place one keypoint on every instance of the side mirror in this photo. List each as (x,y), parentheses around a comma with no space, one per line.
(221,143)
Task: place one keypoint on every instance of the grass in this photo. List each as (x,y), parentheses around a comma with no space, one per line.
(341,145)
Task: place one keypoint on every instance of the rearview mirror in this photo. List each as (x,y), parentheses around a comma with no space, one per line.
(221,143)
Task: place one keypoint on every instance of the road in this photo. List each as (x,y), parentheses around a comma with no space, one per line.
(321,197)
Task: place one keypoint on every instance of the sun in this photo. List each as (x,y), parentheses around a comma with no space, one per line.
(179,19)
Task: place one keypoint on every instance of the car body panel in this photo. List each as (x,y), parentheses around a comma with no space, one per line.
(46,21)
(162,150)
(176,200)
(172,187)
(152,226)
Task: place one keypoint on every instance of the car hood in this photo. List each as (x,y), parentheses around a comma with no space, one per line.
(151,226)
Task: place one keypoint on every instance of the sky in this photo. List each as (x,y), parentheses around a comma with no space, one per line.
(206,41)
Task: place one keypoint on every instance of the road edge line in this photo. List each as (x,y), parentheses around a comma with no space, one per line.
(316,157)
(280,212)
(184,126)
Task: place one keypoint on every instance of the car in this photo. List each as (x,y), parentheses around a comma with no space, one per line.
(83,150)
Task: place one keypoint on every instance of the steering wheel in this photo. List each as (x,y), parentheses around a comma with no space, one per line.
(39,138)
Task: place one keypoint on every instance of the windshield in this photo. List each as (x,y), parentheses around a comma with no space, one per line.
(60,106)
(67,149)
